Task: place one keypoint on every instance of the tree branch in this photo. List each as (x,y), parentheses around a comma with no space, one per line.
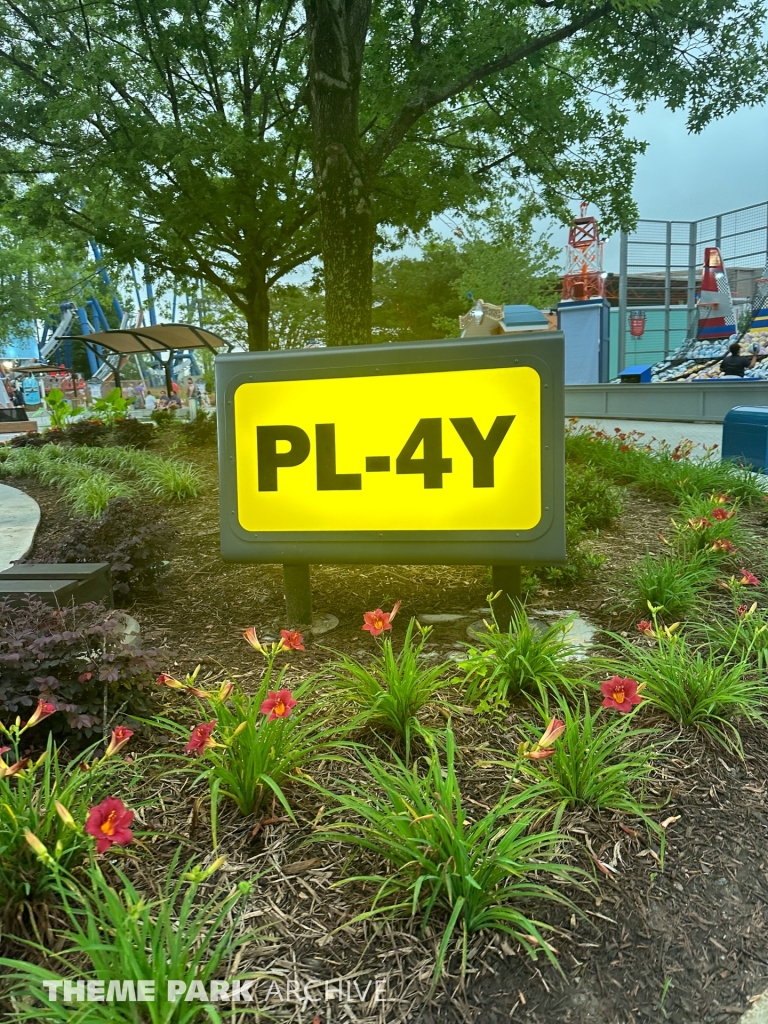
(425,99)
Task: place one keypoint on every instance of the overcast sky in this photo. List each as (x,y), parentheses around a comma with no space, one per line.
(689,177)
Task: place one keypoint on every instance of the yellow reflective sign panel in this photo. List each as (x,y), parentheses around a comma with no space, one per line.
(449,450)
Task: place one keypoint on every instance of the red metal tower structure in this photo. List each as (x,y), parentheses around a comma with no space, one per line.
(584,253)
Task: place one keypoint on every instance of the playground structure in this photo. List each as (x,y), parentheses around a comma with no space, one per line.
(584,278)
(86,322)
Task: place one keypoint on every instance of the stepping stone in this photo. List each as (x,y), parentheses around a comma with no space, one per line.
(758,1011)
(580,634)
(323,622)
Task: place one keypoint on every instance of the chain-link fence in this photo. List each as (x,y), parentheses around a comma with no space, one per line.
(660,272)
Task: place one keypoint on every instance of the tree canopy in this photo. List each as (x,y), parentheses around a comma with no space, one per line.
(232,141)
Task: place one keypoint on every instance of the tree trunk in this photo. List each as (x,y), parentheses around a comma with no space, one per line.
(256,310)
(336,31)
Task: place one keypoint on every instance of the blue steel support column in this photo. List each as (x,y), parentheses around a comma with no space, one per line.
(621,347)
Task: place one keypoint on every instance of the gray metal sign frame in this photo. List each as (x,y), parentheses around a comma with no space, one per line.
(545,543)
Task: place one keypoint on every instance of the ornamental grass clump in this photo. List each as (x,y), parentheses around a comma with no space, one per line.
(393,689)
(675,585)
(708,524)
(523,659)
(596,758)
(457,870)
(180,938)
(697,686)
(249,746)
(47,820)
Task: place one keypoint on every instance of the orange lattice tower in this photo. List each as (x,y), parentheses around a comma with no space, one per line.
(584,272)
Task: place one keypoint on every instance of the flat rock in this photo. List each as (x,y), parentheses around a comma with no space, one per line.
(19,519)
(323,622)
(579,635)
(758,1011)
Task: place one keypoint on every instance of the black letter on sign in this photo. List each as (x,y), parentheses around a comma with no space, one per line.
(327,477)
(268,456)
(482,449)
(433,465)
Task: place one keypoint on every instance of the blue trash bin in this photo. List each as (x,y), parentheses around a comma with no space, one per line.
(745,436)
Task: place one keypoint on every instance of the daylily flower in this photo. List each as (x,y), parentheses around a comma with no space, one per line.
(721,514)
(621,694)
(200,738)
(278,704)
(376,622)
(748,578)
(120,736)
(225,691)
(108,822)
(8,771)
(699,523)
(543,747)
(722,499)
(39,848)
(169,681)
(43,710)
(723,545)
(292,639)
(646,627)
(253,640)
(743,611)
(64,814)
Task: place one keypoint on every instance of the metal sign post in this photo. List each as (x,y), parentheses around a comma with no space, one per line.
(442,452)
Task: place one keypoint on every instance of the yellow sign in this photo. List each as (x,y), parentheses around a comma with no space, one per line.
(449,450)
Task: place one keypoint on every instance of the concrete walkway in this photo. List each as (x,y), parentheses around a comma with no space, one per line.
(19,519)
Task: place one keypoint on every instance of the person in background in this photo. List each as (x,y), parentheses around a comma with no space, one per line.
(150,402)
(174,402)
(174,387)
(164,401)
(735,364)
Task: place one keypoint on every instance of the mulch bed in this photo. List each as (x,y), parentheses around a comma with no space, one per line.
(685,944)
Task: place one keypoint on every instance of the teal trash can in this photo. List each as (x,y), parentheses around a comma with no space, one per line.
(745,436)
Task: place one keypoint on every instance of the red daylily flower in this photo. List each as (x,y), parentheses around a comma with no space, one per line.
(722,499)
(721,514)
(646,627)
(292,639)
(748,578)
(278,704)
(620,694)
(376,622)
(699,523)
(108,822)
(200,738)
(169,681)
(723,545)
(9,770)
(743,611)
(120,736)
(43,710)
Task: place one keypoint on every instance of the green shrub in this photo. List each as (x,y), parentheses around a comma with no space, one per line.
(391,692)
(673,584)
(475,871)
(130,535)
(708,523)
(627,458)
(28,805)
(588,492)
(188,932)
(696,687)
(248,750)
(201,430)
(76,658)
(503,664)
(600,760)
(581,561)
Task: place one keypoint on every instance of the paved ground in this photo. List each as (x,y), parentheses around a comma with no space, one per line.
(19,519)
(699,433)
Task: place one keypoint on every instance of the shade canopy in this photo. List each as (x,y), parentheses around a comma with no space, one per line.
(160,338)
